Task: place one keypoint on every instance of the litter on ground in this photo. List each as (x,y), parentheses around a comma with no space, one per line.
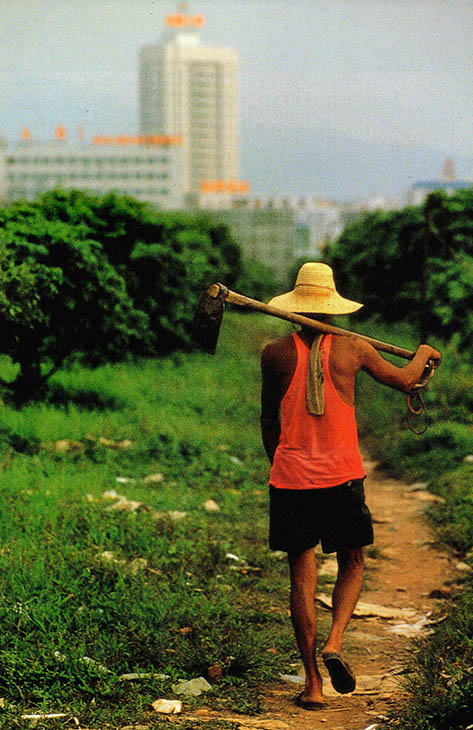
(367,610)
(191,687)
(167,707)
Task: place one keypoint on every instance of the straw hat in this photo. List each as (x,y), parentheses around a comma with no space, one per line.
(314,293)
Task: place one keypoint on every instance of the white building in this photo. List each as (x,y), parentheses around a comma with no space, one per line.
(317,221)
(149,172)
(191,90)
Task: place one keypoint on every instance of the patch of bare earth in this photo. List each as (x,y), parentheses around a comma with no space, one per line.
(395,605)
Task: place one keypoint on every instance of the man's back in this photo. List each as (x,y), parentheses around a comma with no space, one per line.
(346,360)
(349,355)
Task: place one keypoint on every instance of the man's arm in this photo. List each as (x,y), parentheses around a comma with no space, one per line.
(400,378)
(270,402)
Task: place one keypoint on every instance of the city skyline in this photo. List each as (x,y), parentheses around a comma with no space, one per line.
(347,98)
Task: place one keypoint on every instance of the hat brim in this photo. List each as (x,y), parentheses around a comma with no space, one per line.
(326,303)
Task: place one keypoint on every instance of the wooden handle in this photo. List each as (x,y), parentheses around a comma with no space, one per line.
(220,290)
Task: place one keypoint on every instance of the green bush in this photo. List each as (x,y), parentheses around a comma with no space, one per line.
(453,519)
(442,448)
(400,251)
(101,279)
(166,259)
(79,304)
(257,281)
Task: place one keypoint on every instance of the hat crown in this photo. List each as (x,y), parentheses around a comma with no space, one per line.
(315,293)
(315,274)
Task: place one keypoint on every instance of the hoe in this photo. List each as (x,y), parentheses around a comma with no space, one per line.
(211,307)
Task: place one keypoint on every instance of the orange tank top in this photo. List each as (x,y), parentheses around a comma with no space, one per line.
(315,451)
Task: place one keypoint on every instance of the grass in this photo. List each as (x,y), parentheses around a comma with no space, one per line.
(440,672)
(154,589)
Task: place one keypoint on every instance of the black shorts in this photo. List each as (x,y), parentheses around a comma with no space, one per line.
(335,516)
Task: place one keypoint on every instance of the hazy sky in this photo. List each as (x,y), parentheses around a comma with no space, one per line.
(345,98)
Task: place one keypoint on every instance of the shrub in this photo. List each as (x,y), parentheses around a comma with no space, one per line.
(453,519)
(442,447)
(422,256)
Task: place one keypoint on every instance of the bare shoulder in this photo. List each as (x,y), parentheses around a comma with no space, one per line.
(277,348)
(348,351)
(279,356)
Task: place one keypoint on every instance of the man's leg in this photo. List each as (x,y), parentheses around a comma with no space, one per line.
(303,573)
(345,595)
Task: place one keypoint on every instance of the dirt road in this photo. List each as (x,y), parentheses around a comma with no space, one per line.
(402,571)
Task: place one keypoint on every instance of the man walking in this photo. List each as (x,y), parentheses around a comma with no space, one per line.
(316,479)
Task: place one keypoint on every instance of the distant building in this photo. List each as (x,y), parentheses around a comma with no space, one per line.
(267,235)
(317,222)
(420,190)
(3,170)
(191,90)
(148,172)
(448,184)
(277,230)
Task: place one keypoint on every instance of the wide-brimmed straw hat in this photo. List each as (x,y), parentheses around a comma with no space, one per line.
(315,293)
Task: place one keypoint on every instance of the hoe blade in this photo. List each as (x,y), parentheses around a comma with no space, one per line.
(207,319)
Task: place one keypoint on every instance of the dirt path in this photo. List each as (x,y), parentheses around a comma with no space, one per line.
(401,574)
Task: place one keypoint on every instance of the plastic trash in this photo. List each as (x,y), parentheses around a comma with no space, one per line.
(292,678)
(211,506)
(141,675)
(191,687)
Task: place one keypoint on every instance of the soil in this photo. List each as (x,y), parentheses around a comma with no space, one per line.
(402,572)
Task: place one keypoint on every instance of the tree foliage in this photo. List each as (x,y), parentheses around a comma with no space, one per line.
(60,297)
(101,278)
(379,260)
(257,281)
(166,259)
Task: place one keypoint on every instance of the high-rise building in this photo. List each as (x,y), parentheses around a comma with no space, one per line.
(191,90)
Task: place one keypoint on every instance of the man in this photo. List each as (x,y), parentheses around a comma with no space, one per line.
(316,479)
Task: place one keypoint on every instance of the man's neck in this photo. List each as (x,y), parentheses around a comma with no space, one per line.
(307,334)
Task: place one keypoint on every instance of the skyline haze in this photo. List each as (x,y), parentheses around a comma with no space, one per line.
(343,98)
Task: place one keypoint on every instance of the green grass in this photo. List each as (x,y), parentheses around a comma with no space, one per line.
(143,592)
(439,685)
(140,591)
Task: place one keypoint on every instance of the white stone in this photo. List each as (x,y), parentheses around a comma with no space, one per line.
(167,707)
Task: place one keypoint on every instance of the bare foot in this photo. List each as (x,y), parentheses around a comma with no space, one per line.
(313,690)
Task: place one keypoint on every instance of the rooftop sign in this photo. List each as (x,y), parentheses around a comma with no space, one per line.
(224,186)
(164,141)
(180,20)
(60,132)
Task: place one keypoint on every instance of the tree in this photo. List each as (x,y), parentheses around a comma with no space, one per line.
(166,259)
(399,262)
(60,298)
(257,281)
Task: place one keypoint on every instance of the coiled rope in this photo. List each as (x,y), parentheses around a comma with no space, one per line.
(415,401)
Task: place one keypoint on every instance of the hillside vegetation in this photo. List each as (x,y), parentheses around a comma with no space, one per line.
(133,475)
